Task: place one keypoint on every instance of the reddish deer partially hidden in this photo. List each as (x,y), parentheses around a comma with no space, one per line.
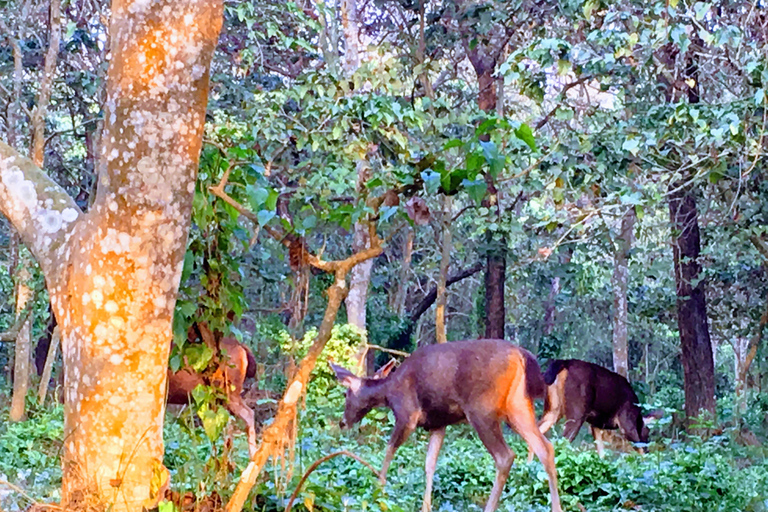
(582,391)
(236,364)
(483,382)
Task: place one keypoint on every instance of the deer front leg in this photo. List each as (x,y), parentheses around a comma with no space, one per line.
(403,429)
(241,410)
(435,442)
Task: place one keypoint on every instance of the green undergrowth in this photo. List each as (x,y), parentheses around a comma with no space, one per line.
(691,476)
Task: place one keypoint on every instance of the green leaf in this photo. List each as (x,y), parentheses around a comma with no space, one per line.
(759,96)
(387,212)
(631,145)
(309,222)
(453,143)
(431,181)
(524,133)
(476,189)
(265,216)
(213,422)
(198,355)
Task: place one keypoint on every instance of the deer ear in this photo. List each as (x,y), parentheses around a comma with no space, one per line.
(384,370)
(346,378)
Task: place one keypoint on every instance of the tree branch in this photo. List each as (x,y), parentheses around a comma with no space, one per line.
(40,210)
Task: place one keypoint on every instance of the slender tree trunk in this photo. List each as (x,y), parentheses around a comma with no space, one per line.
(620,284)
(698,364)
(45,377)
(495,275)
(398,305)
(21,358)
(440,302)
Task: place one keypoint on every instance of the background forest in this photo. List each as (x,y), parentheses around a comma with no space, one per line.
(585,179)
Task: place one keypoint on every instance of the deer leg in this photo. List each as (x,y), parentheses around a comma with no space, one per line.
(242,411)
(435,442)
(489,430)
(572,427)
(523,420)
(401,432)
(598,435)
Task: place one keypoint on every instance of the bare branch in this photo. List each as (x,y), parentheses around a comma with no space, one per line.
(317,463)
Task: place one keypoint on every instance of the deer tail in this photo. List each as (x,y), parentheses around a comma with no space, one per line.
(554,368)
(554,403)
(250,371)
(535,387)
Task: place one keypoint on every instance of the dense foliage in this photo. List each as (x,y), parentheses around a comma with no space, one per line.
(601,111)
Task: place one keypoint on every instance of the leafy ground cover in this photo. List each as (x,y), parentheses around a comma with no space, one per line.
(693,475)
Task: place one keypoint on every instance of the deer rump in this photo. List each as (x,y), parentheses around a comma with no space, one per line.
(483,382)
(237,363)
(582,391)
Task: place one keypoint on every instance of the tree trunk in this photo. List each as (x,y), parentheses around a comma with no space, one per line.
(398,304)
(698,364)
(620,283)
(21,351)
(484,62)
(45,376)
(113,274)
(440,303)
(495,275)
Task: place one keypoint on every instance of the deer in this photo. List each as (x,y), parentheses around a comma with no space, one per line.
(581,391)
(236,363)
(482,382)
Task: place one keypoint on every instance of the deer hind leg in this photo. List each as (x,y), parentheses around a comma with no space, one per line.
(554,406)
(435,442)
(489,430)
(522,418)
(598,435)
(238,407)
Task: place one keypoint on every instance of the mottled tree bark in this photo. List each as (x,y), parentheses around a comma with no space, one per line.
(620,282)
(113,273)
(698,364)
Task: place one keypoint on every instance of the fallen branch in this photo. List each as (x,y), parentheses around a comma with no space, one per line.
(317,463)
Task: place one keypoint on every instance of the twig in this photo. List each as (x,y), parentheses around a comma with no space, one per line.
(29,498)
(388,350)
(320,461)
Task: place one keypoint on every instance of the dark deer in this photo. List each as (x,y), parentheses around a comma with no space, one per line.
(582,391)
(482,382)
(236,363)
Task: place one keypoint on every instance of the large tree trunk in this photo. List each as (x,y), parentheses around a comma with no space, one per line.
(698,364)
(620,284)
(113,273)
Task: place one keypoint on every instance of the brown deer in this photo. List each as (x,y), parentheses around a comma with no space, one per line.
(582,391)
(482,382)
(236,363)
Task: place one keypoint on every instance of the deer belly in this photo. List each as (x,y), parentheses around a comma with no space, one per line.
(440,417)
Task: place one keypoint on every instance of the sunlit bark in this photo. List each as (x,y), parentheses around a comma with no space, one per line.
(113,273)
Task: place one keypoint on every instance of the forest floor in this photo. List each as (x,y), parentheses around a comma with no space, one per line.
(710,475)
